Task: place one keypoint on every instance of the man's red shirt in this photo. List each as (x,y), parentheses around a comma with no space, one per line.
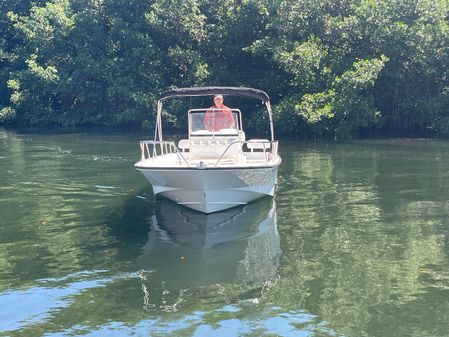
(219,118)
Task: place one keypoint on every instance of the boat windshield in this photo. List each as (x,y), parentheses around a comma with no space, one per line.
(205,122)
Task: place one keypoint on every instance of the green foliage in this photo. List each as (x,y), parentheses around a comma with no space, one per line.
(346,105)
(304,62)
(316,107)
(6,114)
(332,68)
(178,27)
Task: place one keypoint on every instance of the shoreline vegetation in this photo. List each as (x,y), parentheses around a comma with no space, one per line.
(333,69)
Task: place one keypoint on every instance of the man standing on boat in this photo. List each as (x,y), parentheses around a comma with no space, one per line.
(219,116)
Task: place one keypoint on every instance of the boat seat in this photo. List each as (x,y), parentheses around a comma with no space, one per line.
(197,142)
(258,144)
(184,145)
(214,147)
(213,143)
(222,141)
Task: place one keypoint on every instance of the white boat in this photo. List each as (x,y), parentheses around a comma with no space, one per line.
(211,169)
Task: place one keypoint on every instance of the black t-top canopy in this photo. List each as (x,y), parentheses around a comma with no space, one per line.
(204,91)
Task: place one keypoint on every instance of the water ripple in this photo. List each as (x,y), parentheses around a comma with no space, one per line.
(25,307)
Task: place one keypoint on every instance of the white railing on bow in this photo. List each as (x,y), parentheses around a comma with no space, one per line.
(152,149)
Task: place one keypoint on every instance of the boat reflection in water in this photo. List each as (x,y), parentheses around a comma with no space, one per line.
(188,248)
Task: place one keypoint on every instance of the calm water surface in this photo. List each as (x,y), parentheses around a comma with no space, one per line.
(355,243)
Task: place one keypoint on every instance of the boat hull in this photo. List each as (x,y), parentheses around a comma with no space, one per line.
(212,189)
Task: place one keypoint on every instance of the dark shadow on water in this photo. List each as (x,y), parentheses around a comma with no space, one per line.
(130,222)
(187,248)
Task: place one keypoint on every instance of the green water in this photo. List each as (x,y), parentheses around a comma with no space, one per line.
(355,243)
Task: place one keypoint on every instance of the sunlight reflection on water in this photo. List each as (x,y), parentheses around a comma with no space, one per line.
(23,307)
(264,321)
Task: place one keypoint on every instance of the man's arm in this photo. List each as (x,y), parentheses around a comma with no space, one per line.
(231,120)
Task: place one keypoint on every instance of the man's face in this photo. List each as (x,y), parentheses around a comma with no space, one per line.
(218,101)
